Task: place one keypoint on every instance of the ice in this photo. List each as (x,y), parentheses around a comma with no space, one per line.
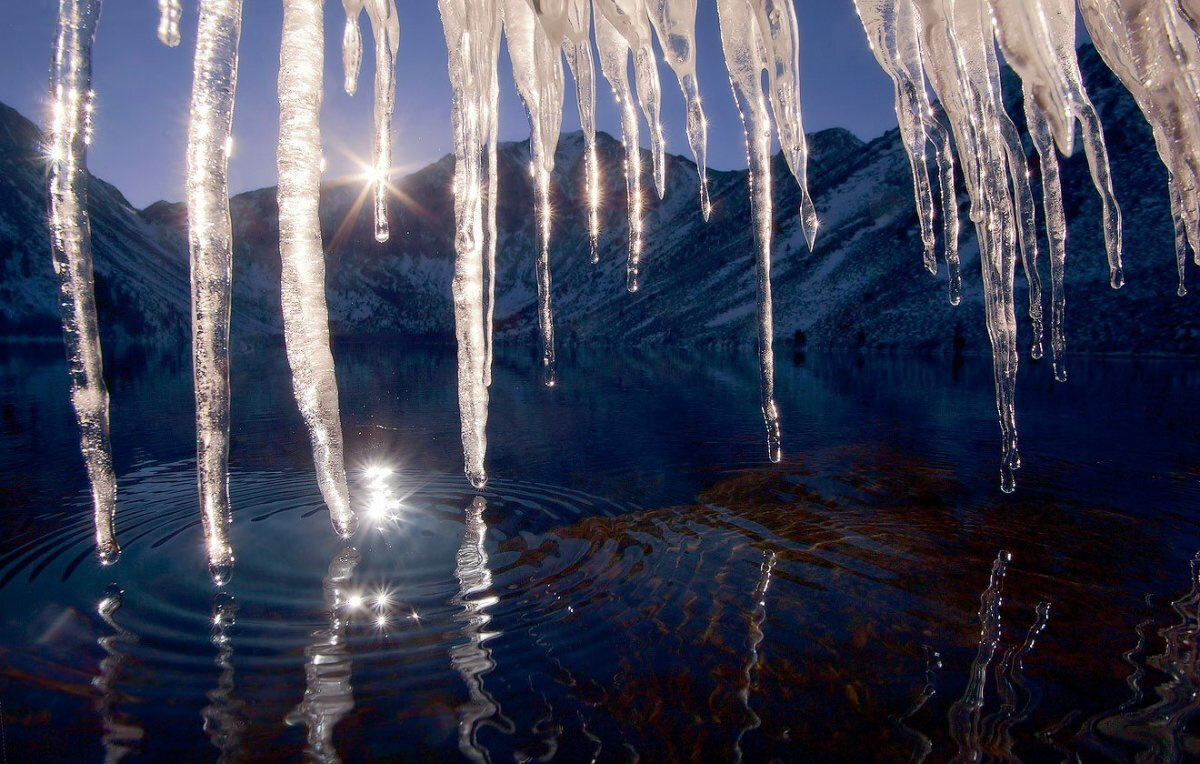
(743,44)
(71,250)
(168,22)
(674,22)
(472,38)
(385,29)
(210,239)
(613,51)
(305,317)
(537,72)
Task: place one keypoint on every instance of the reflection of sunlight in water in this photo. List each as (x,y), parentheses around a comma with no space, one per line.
(472,659)
(328,696)
(223,718)
(120,737)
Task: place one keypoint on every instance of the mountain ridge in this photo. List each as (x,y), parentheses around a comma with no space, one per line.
(863,285)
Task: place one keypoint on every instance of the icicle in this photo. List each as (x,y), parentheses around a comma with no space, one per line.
(891,27)
(385,29)
(472,40)
(1180,237)
(779,40)
(613,52)
(168,22)
(628,18)
(743,45)
(491,109)
(537,71)
(675,24)
(305,316)
(1056,230)
(577,48)
(71,249)
(943,150)
(210,239)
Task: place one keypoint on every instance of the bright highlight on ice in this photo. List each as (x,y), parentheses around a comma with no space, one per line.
(944,48)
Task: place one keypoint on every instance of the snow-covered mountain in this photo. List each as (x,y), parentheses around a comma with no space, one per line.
(862,286)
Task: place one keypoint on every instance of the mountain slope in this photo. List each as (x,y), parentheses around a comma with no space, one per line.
(863,285)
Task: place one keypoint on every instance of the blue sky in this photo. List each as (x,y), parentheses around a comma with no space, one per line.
(143,90)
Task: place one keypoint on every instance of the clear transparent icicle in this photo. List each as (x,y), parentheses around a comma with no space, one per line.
(891,27)
(210,239)
(674,22)
(537,72)
(613,51)
(629,19)
(385,30)
(305,316)
(168,22)
(743,46)
(472,38)
(488,70)
(71,249)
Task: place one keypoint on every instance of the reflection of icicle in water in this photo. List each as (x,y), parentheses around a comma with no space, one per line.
(744,44)
(71,248)
(168,22)
(757,618)
(473,659)
(328,695)
(305,316)
(1017,698)
(537,71)
(964,714)
(675,24)
(924,746)
(120,737)
(472,39)
(385,30)
(224,720)
(210,238)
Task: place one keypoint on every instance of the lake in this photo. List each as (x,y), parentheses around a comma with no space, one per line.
(637,581)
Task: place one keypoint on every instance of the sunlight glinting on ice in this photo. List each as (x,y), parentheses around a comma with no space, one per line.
(944,47)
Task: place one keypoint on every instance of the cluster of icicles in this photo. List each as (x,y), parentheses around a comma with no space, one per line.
(944,46)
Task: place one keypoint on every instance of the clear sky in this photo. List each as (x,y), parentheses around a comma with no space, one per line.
(143,90)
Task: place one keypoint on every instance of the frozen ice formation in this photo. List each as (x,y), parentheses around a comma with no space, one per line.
(947,48)
(385,29)
(305,316)
(71,251)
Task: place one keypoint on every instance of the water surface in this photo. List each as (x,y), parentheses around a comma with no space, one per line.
(636,581)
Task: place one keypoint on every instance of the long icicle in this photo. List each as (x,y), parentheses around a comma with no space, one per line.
(740,40)
(577,48)
(71,248)
(305,316)
(537,72)
(210,239)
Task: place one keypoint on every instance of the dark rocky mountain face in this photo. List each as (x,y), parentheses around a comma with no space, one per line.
(862,286)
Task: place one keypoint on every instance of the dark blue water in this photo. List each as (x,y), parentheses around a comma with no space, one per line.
(636,581)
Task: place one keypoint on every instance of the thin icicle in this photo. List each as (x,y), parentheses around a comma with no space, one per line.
(385,29)
(629,19)
(305,316)
(675,24)
(537,72)
(472,39)
(168,22)
(210,238)
(613,52)
(1056,231)
(71,248)
(779,41)
(943,150)
(577,48)
(742,45)
(1180,238)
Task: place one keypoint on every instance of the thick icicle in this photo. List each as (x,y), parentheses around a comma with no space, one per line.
(743,45)
(210,238)
(472,39)
(629,19)
(537,72)
(385,29)
(675,24)
(71,248)
(168,22)
(613,52)
(305,316)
